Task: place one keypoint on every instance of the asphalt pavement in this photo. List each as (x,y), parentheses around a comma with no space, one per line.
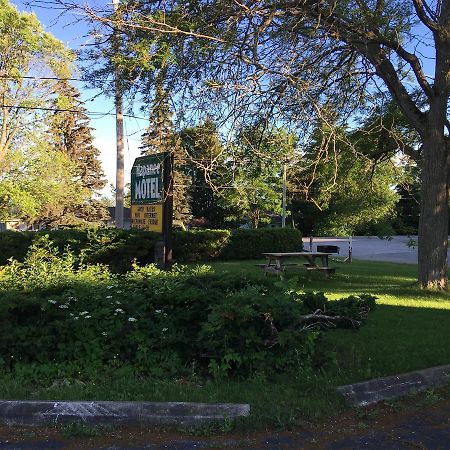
(400,249)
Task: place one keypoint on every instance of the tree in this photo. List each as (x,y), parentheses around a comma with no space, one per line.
(161,137)
(69,132)
(38,184)
(28,52)
(301,59)
(255,180)
(408,206)
(205,157)
(375,39)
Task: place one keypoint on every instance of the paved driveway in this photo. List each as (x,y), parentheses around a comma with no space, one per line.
(395,249)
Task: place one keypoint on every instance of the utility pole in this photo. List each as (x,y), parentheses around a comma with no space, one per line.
(283,213)
(120,165)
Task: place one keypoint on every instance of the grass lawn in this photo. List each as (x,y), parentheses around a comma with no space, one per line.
(410,329)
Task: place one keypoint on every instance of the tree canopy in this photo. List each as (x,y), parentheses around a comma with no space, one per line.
(30,57)
(298,62)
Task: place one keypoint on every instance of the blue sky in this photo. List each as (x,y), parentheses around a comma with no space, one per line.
(74,34)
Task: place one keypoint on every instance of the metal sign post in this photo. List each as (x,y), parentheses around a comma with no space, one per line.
(350,249)
(168,209)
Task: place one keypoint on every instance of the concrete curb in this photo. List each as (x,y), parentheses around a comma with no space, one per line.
(373,391)
(35,413)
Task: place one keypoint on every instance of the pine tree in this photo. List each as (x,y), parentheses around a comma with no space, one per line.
(161,137)
(71,134)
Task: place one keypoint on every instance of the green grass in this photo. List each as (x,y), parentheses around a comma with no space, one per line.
(409,330)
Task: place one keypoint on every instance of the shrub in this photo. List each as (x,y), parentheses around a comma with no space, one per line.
(159,323)
(200,245)
(207,245)
(250,243)
(116,248)
(120,248)
(14,245)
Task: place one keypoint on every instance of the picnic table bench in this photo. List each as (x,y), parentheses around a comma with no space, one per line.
(276,262)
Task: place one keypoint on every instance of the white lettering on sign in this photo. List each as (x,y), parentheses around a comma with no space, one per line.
(147,188)
(148,169)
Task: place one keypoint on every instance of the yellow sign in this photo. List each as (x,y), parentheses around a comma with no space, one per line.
(147,217)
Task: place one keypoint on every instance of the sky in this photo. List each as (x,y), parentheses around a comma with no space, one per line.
(74,34)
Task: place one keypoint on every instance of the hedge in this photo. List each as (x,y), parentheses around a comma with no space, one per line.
(119,248)
(116,248)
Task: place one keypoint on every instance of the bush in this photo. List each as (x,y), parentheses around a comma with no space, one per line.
(200,245)
(14,245)
(207,245)
(120,248)
(116,248)
(250,244)
(159,323)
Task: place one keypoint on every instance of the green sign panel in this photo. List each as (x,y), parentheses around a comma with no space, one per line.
(147,179)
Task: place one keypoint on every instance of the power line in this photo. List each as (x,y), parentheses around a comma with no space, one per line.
(75,111)
(29,77)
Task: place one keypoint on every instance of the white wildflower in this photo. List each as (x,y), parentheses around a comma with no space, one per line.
(132,319)
(87,317)
(52,301)
(119,310)
(109,296)
(157,311)
(83,313)
(118,303)
(164,330)
(63,306)
(109,287)
(105,333)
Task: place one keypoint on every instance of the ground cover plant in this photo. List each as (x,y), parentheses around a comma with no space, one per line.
(84,333)
(54,311)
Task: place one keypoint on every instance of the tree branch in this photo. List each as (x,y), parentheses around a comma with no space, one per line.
(420,7)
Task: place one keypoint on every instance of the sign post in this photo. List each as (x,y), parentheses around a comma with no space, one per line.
(152,199)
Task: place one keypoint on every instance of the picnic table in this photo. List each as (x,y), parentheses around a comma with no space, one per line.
(277,262)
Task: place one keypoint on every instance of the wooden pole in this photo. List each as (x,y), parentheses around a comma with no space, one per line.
(168,209)
(120,165)
(283,214)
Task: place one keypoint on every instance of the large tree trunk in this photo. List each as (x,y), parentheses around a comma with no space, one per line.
(434,213)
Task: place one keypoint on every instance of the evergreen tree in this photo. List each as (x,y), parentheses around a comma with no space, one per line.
(71,134)
(161,137)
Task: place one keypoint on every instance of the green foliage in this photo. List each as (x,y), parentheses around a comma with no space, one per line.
(160,323)
(255,161)
(250,243)
(28,52)
(351,190)
(38,184)
(120,248)
(116,248)
(207,170)
(241,243)
(200,245)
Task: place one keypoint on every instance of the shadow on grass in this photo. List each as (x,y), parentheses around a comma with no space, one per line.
(395,339)
(377,278)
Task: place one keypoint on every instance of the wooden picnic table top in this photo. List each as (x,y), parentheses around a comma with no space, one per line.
(294,254)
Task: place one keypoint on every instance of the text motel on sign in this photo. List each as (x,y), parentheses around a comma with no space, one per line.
(147,188)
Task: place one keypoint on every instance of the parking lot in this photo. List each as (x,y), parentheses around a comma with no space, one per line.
(401,249)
